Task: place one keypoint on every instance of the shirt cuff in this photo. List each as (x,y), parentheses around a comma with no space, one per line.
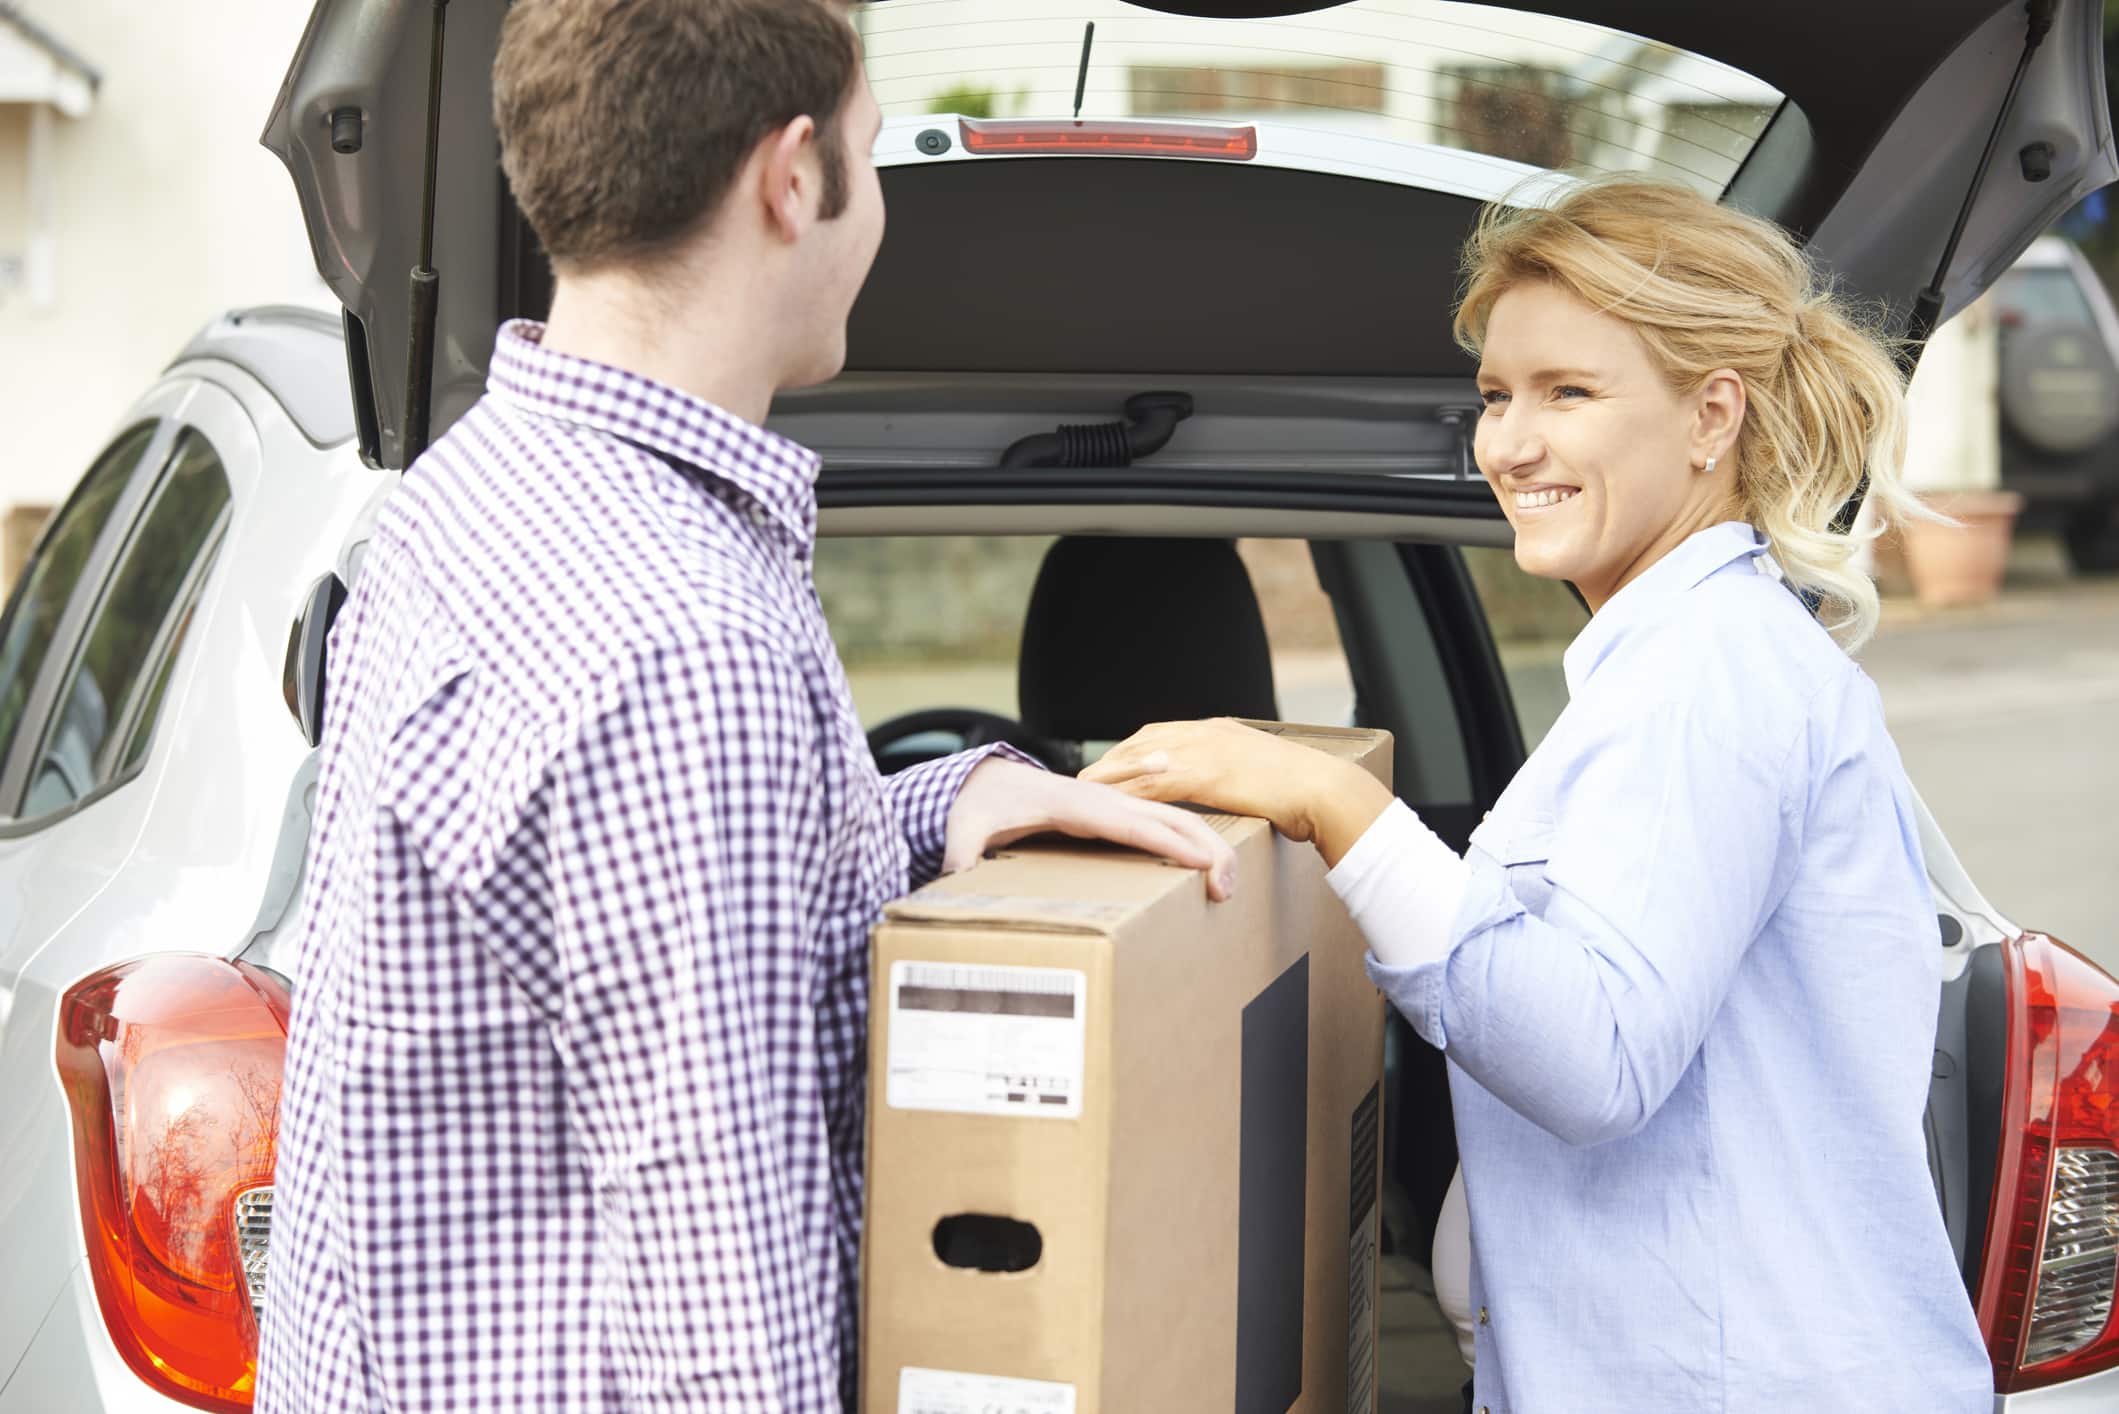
(922,796)
(1403,886)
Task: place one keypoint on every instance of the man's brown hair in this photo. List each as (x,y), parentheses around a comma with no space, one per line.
(623,123)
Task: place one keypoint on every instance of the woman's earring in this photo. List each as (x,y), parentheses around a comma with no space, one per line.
(1708,470)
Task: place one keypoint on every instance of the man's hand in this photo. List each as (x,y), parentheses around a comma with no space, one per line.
(1002,801)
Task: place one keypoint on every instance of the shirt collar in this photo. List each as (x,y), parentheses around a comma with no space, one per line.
(780,475)
(1698,558)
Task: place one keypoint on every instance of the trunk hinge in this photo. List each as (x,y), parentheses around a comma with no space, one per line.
(426,282)
(1927,305)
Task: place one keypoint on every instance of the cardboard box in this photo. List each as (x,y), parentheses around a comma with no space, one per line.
(1123,1143)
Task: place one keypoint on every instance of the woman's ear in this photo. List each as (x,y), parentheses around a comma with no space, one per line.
(1719,416)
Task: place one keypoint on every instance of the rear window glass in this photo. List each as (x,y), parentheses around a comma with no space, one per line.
(1386,74)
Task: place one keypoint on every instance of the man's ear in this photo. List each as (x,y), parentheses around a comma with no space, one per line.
(1720,416)
(787,178)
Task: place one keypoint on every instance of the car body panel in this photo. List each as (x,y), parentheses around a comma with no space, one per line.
(179,858)
(2093,1394)
(40,887)
(72,1364)
(1885,237)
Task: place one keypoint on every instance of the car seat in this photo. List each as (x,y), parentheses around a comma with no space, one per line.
(1126,630)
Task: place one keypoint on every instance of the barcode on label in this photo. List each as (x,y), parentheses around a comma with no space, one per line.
(1032,980)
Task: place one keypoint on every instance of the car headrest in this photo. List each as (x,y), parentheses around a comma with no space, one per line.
(1124,631)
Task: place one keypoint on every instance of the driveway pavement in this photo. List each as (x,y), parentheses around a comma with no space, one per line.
(2007,717)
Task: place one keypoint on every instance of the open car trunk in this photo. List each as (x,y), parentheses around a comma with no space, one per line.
(1313,261)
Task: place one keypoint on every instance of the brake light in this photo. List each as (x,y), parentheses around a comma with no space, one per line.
(1046,137)
(172,1072)
(2052,1258)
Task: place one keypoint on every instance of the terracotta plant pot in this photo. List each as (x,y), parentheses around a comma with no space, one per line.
(1963,563)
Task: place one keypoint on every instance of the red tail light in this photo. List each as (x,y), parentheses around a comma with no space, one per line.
(172,1070)
(1047,137)
(2051,1271)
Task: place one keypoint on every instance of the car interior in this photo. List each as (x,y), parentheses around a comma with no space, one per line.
(1119,632)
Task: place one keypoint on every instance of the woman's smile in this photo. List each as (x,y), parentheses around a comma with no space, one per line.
(1544,498)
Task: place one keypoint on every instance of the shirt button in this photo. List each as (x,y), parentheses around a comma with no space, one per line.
(1482,1315)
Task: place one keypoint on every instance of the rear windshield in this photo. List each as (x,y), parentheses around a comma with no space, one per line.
(1548,93)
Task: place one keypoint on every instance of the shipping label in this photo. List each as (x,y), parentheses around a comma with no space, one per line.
(981,1039)
(952,1392)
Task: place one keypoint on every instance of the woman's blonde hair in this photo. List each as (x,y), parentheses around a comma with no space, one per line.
(1708,288)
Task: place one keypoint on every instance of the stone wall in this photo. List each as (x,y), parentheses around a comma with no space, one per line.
(938,599)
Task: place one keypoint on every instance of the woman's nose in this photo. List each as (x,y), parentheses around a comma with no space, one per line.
(1504,442)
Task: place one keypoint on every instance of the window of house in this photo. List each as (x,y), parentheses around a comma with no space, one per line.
(1168,90)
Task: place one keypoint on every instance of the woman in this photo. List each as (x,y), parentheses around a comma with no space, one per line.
(1686,978)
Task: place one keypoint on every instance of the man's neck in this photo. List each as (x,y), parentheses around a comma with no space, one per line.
(696,338)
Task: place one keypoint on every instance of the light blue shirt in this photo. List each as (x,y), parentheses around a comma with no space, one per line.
(1689,1005)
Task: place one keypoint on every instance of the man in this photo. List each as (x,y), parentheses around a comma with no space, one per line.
(574,1090)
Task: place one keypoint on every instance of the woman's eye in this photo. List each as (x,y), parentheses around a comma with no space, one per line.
(1493,397)
(1569,390)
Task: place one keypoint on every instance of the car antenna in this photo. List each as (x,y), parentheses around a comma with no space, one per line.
(1927,305)
(1081,77)
(426,281)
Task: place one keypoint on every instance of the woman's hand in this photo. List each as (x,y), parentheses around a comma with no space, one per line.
(1225,765)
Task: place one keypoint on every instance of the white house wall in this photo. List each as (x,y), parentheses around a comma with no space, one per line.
(164,211)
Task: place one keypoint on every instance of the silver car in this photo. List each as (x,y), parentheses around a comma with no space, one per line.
(1239,262)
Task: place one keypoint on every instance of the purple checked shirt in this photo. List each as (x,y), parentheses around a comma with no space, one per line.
(573,1107)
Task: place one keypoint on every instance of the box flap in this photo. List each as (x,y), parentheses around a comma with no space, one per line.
(1347,743)
(936,904)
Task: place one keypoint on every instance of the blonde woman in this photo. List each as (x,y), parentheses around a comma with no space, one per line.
(1686,976)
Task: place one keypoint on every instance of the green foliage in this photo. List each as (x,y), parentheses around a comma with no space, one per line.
(966,100)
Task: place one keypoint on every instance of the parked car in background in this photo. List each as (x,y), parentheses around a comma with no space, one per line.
(2060,398)
(1293,284)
